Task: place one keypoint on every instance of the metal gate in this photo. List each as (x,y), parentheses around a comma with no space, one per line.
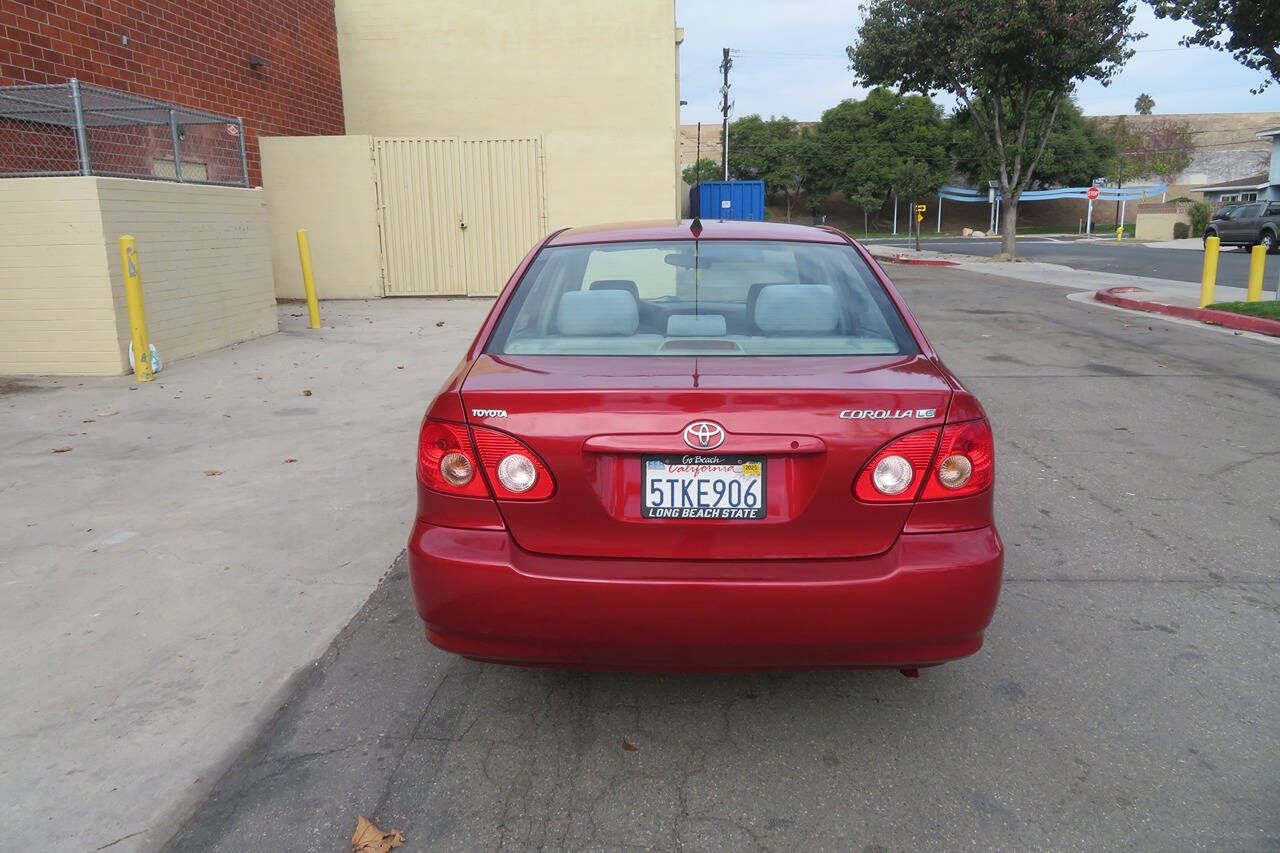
(455,216)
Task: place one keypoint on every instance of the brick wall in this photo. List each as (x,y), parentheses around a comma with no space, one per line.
(194,52)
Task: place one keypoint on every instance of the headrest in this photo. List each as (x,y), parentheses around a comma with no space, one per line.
(797,309)
(597,312)
(617,284)
(695,325)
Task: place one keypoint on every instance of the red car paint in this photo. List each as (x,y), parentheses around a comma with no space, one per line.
(836,575)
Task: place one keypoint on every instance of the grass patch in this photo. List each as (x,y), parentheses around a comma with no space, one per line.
(1269,309)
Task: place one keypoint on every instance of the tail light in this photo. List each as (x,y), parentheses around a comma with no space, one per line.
(515,472)
(903,459)
(447,461)
(908,466)
(966,462)
(455,461)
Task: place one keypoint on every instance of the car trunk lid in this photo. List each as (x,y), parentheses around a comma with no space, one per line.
(815,420)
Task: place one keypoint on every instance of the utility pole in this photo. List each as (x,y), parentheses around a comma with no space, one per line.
(725,65)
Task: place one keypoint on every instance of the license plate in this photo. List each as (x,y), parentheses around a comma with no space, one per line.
(703,486)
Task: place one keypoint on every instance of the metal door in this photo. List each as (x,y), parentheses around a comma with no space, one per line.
(456,216)
(502,208)
(418,203)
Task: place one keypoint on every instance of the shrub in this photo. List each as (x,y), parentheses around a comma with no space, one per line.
(1181,230)
(1180,199)
(1199,213)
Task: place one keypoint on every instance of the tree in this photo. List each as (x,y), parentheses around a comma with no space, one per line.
(1011,63)
(703,170)
(772,151)
(1077,150)
(1248,29)
(1144,104)
(867,149)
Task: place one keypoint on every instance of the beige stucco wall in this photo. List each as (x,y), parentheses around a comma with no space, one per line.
(204,258)
(1156,221)
(595,81)
(324,184)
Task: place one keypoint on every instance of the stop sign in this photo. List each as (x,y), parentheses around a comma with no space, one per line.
(1093,193)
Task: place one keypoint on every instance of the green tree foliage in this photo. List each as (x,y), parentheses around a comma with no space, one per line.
(1199,214)
(704,170)
(1157,149)
(1012,63)
(1076,152)
(1144,104)
(869,148)
(770,150)
(1248,29)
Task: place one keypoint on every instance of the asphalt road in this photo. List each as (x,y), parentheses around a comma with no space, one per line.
(1127,697)
(1109,256)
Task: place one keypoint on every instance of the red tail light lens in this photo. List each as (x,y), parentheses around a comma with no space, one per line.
(886,479)
(514,471)
(447,461)
(966,462)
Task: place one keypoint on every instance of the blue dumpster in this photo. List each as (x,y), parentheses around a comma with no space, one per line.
(728,200)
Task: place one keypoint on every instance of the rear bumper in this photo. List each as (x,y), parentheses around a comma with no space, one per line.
(925,601)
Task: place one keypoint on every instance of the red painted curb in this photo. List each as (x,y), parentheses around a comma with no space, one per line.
(1226,319)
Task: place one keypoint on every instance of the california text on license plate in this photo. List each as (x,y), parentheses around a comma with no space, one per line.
(703,486)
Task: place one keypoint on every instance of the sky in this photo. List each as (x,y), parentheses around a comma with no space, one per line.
(792,63)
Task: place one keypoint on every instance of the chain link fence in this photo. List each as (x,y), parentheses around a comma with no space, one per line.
(75,128)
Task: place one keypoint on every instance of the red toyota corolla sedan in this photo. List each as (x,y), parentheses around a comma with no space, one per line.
(704,446)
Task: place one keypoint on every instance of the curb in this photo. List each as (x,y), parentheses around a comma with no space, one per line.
(1226,319)
(920,262)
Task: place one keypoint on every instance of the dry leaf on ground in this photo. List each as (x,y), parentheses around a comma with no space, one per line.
(107,414)
(369,839)
(289,459)
(62,450)
(211,472)
(306,392)
(439,323)
(628,746)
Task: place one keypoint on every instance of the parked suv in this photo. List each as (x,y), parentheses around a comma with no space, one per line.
(1248,225)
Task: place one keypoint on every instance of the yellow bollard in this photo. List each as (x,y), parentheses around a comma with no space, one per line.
(1120,233)
(1257,261)
(138,337)
(1209,276)
(308,278)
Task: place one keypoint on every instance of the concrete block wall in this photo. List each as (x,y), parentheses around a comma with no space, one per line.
(205,262)
(56,310)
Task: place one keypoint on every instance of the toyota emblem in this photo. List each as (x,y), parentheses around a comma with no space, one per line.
(704,435)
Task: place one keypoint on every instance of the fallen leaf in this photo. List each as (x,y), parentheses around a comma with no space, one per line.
(212,472)
(628,746)
(62,450)
(369,839)
(107,414)
(1158,364)
(439,323)
(306,392)
(290,459)
(399,367)
(87,421)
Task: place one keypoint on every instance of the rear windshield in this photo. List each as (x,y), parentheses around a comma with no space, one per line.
(711,297)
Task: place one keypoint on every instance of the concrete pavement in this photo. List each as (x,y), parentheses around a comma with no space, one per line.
(200,540)
(1125,699)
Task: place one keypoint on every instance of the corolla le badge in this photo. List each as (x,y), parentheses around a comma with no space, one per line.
(887,414)
(704,435)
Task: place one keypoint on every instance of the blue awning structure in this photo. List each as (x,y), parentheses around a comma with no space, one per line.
(953,193)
